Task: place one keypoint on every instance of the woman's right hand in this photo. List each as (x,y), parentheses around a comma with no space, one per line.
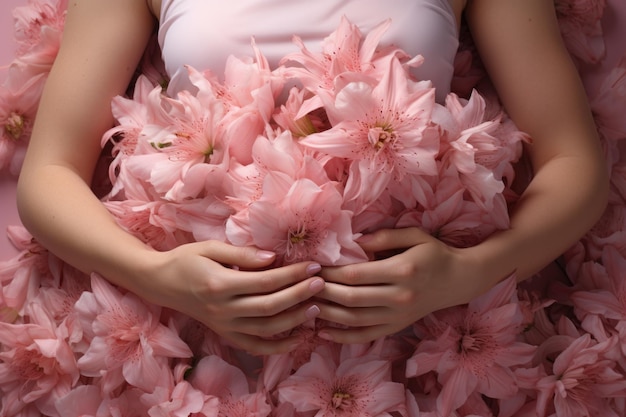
(246,304)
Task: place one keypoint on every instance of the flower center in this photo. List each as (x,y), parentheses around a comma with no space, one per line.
(28,364)
(297,236)
(379,136)
(15,126)
(469,343)
(341,400)
(303,127)
(207,154)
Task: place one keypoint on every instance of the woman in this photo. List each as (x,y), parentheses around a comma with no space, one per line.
(521,48)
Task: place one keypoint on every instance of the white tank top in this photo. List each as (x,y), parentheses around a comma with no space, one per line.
(203,33)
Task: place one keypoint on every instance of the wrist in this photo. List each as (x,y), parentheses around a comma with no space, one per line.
(133,269)
(480,266)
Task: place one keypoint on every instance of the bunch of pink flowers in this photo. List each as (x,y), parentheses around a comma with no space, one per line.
(356,145)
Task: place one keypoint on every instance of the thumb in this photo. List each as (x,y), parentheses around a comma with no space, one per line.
(390,239)
(247,257)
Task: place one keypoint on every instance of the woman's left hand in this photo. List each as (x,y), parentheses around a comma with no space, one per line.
(380,297)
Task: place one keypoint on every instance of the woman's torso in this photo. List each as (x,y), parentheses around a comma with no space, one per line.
(203,33)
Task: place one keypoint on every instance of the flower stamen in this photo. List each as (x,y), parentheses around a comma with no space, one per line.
(15,125)
(379,136)
(298,236)
(341,400)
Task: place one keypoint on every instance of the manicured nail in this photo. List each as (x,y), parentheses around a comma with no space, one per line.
(317,285)
(325,336)
(313,269)
(265,255)
(312,312)
(364,239)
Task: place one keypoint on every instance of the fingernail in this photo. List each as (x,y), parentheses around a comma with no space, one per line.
(364,239)
(312,312)
(313,269)
(265,255)
(325,336)
(317,285)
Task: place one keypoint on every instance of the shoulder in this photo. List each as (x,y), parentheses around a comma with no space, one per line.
(517,38)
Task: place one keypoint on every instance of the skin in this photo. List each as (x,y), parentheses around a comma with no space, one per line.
(536,81)
(55,203)
(521,47)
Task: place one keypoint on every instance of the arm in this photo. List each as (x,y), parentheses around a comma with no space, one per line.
(102,44)
(522,49)
(521,46)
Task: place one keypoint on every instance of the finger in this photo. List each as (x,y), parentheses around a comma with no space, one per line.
(240,256)
(271,304)
(390,239)
(279,324)
(354,317)
(241,283)
(361,295)
(365,273)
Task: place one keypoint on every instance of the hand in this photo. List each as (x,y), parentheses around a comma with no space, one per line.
(248,308)
(381,297)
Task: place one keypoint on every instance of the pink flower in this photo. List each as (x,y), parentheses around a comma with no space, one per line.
(481,148)
(190,132)
(278,367)
(357,386)
(57,293)
(607,115)
(299,220)
(383,128)
(154,223)
(605,302)
(218,379)
(580,24)
(296,116)
(37,365)
(37,60)
(583,377)
(131,116)
(128,343)
(249,81)
(343,51)
(607,297)
(176,397)
(32,19)
(279,153)
(473,348)
(537,325)
(82,401)
(453,218)
(18,107)
(21,276)
(249,92)
(88,401)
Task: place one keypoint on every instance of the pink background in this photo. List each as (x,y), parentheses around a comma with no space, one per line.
(8,214)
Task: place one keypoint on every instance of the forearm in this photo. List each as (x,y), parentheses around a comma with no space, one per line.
(103,42)
(563,201)
(521,47)
(62,213)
